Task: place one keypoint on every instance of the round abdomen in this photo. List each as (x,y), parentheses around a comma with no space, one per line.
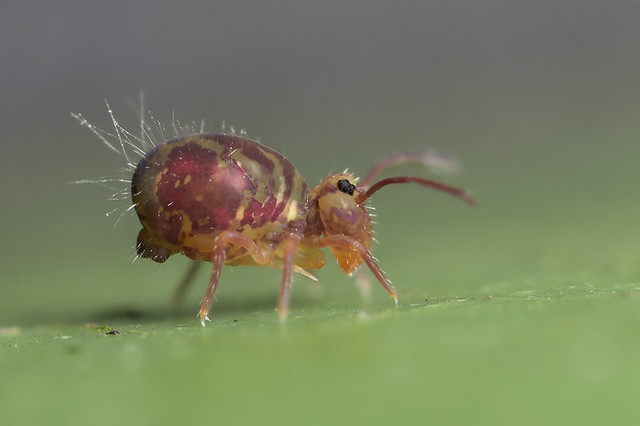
(193,187)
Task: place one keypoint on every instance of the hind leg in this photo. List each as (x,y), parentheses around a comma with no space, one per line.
(290,245)
(220,244)
(185,283)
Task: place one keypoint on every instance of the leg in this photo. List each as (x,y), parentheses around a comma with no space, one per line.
(185,283)
(290,246)
(364,284)
(218,261)
(218,258)
(341,240)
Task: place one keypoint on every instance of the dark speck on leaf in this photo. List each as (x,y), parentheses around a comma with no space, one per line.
(112,333)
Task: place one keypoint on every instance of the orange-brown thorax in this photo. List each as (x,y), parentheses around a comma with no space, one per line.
(340,213)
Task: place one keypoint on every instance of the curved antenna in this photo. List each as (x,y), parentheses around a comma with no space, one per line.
(436,162)
(456,192)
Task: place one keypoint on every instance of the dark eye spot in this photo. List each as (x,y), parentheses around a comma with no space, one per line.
(345,186)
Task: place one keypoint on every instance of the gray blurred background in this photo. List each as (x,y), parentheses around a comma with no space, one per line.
(539,100)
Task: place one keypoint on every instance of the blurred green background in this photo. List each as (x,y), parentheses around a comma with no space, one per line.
(523,310)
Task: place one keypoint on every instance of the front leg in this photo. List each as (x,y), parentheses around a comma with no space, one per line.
(341,240)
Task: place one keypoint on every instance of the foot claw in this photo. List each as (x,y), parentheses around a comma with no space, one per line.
(203,319)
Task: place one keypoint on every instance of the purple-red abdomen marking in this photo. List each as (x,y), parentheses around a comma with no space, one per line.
(200,185)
